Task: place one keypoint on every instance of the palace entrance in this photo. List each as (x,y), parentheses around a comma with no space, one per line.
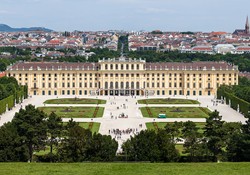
(122,92)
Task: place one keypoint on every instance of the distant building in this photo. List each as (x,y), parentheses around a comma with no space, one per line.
(245,74)
(202,49)
(84,38)
(243,32)
(2,74)
(224,48)
(147,48)
(242,50)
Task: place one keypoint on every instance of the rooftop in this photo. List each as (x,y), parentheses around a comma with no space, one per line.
(46,66)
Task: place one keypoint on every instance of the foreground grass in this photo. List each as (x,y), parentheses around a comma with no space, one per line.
(75,101)
(73,112)
(124,168)
(167,101)
(176,112)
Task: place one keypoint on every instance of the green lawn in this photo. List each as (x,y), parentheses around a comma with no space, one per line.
(73,112)
(95,127)
(161,125)
(167,101)
(85,125)
(124,168)
(75,101)
(176,112)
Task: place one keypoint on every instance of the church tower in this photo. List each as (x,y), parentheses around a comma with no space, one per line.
(247,26)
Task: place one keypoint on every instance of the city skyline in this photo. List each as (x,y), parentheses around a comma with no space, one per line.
(129,15)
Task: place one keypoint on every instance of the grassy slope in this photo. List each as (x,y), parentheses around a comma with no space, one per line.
(74,101)
(125,168)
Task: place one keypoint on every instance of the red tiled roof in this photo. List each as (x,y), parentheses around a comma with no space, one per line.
(202,49)
(218,33)
(2,74)
(208,65)
(189,66)
(243,49)
(53,66)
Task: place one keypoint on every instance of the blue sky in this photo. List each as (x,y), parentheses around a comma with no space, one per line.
(166,15)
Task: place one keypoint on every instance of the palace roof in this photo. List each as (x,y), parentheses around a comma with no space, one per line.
(208,65)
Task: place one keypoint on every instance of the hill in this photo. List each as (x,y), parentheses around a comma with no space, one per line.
(6,28)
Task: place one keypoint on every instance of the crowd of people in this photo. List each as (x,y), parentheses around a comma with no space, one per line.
(119,132)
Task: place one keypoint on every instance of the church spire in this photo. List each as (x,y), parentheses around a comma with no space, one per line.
(247,26)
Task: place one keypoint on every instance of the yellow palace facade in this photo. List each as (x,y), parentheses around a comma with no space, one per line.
(124,76)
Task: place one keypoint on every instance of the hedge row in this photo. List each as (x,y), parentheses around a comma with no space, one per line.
(225,92)
(20,94)
(9,100)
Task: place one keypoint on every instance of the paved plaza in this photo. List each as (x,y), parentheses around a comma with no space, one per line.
(122,117)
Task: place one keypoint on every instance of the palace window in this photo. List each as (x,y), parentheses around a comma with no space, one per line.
(137,85)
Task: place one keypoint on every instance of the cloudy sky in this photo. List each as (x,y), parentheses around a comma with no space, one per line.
(166,15)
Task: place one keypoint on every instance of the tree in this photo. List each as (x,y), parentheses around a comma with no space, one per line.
(102,148)
(246,140)
(174,130)
(3,66)
(193,140)
(215,134)
(234,140)
(238,148)
(54,126)
(168,152)
(151,146)
(74,146)
(142,147)
(11,147)
(31,127)
(3,92)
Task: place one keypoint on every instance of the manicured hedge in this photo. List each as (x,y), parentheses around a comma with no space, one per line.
(20,94)
(226,92)
(9,100)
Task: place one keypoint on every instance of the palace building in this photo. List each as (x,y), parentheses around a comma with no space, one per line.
(124,76)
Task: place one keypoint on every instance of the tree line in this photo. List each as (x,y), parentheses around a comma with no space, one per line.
(31,131)
(220,141)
